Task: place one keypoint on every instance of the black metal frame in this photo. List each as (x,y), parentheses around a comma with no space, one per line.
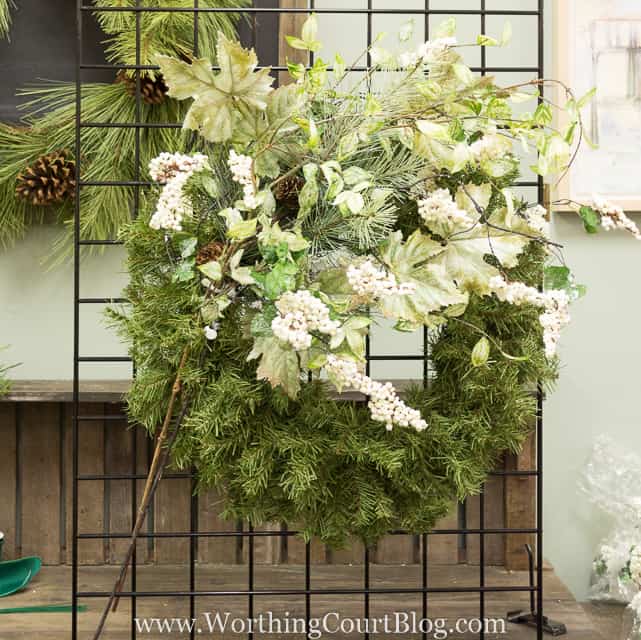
(367,591)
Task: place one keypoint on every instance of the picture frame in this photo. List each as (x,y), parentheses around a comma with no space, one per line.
(597,43)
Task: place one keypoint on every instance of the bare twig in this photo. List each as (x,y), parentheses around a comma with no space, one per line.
(158,464)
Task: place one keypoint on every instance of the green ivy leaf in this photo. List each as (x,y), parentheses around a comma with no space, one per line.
(456,131)
(261,324)
(184,271)
(188,247)
(296,70)
(242,275)
(273,236)
(353,332)
(586,99)
(347,145)
(486,41)
(354,175)
(281,278)
(350,202)
(212,270)
(557,277)
(307,41)
(591,219)
(339,67)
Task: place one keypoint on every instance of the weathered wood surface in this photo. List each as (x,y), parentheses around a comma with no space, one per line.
(39,476)
(8,478)
(520,504)
(62,391)
(53,586)
(36,502)
(494,518)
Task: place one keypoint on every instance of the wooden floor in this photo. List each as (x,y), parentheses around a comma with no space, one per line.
(53,586)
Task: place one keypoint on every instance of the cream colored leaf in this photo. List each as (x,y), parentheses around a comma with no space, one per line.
(464,255)
(278,364)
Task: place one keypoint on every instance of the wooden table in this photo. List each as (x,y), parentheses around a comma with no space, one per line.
(53,585)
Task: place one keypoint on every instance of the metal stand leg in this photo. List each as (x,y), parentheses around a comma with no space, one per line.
(530,618)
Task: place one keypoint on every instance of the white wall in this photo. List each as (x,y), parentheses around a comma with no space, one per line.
(36,310)
(598,391)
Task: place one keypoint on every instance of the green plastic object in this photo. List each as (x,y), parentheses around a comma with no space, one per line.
(15,575)
(49,608)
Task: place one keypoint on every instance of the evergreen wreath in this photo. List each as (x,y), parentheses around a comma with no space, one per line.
(319,209)
(48,126)
(248,304)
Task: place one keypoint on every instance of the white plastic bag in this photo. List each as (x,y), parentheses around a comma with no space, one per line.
(612,481)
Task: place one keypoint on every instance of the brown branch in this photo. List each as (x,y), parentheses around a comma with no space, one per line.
(158,464)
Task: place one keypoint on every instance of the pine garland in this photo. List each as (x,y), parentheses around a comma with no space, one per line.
(164,33)
(49,123)
(5,17)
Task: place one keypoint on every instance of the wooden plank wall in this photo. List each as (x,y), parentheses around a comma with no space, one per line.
(36,502)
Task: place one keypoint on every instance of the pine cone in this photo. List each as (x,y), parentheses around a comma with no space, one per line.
(49,180)
(209,252)
(153,89)
(286,191)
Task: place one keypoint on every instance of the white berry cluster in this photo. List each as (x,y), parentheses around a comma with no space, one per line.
(537,220)
(370,282)
(242,170)
(168,165)
(301,313)
(441,214)
(172,206)
(613,217)
(555,303)
(174,170)
(425,53)
(384,403)
(555,318)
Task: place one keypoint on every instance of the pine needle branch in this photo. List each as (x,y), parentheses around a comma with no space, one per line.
(5,17)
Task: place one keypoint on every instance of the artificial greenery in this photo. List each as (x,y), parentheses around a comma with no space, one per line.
(315,461)
(5,17)
(164,33)
(5,383)
(320,210)
(48,125)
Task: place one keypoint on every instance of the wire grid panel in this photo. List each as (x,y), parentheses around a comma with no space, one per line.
(361,20)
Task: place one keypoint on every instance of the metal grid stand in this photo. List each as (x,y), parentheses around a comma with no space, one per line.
(306,590)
